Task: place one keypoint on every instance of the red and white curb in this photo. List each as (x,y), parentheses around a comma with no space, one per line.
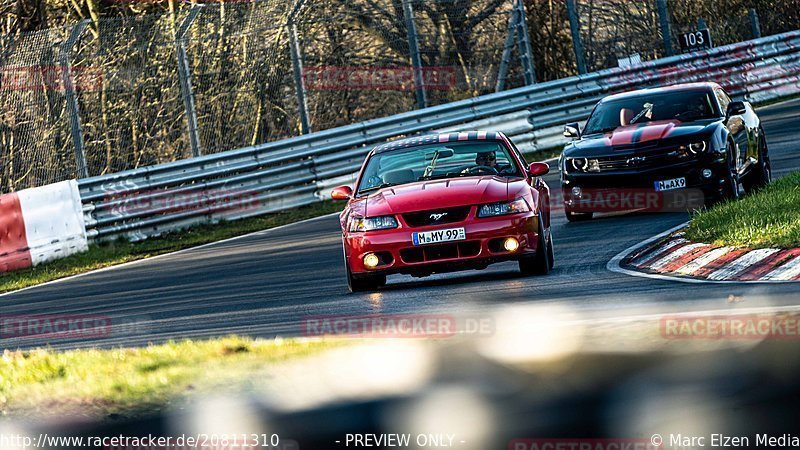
(670,256)
(41,224)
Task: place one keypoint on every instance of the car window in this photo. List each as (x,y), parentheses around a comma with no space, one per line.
(723,99)
(442,160)
(684,106)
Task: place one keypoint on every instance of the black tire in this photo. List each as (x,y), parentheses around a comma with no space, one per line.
(761,174)
(538,264)
(364,282)
(578,217)
(730,190)
(550,255)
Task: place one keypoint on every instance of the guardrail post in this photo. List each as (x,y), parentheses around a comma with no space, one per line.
(416,59)
(755,25)
(68,80)
(666,34)
(502,72)
(185,78)
(577,44)
(524,44)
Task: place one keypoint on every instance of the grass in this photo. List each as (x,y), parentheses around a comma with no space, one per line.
(134,381)
(111,253)
(767,218)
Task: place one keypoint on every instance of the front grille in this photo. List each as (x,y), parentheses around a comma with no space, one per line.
(440,252)
(640,162)
(436,216)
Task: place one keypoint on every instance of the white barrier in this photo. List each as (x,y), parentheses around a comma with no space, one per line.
(52,219)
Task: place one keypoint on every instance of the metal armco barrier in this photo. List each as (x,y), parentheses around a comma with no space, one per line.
(298,171)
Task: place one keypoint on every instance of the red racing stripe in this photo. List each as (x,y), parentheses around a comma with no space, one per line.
(14,253)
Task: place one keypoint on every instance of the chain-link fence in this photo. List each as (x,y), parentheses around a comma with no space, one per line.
(123,92)
(34,124)
(620,32)
(208,78)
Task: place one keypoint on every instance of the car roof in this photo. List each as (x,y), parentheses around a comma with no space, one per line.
(704,86)
(440,137)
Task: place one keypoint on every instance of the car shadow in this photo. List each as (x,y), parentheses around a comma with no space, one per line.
(467,277)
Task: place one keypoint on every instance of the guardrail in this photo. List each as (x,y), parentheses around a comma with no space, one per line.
(298,171)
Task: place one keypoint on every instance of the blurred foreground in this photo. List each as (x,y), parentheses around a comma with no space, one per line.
(532,377)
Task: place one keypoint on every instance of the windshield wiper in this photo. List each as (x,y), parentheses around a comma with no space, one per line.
(440,176)
(602,130)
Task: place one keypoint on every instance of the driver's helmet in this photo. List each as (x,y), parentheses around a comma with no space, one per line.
(486,159)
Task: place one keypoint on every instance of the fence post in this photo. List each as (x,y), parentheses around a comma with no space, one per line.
(299,83)
(185,78)
(502,72)
(416,59)
(68,80)
(755,24)
(663,18)
(577,43)
(524,44)
(297,69)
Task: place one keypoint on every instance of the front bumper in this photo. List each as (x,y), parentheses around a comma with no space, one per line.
(635,189)
(482,246)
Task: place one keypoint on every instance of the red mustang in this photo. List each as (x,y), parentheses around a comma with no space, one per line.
(441,203)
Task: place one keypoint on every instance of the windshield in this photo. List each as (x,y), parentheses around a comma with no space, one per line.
(436,161)
(684,106)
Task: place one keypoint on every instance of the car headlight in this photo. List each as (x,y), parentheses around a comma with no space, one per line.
(697,147)
(579,164)
(372,223)
(499,209)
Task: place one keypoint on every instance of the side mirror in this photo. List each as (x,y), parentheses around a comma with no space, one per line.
(342,193)
(538,169)
(571,130)
(735,108)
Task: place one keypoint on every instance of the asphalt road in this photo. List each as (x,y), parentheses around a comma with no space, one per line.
(265,284)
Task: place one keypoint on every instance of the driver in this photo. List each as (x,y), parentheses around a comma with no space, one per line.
(698,107)
(489,159)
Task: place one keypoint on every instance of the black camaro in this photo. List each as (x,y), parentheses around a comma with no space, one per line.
(639,147)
